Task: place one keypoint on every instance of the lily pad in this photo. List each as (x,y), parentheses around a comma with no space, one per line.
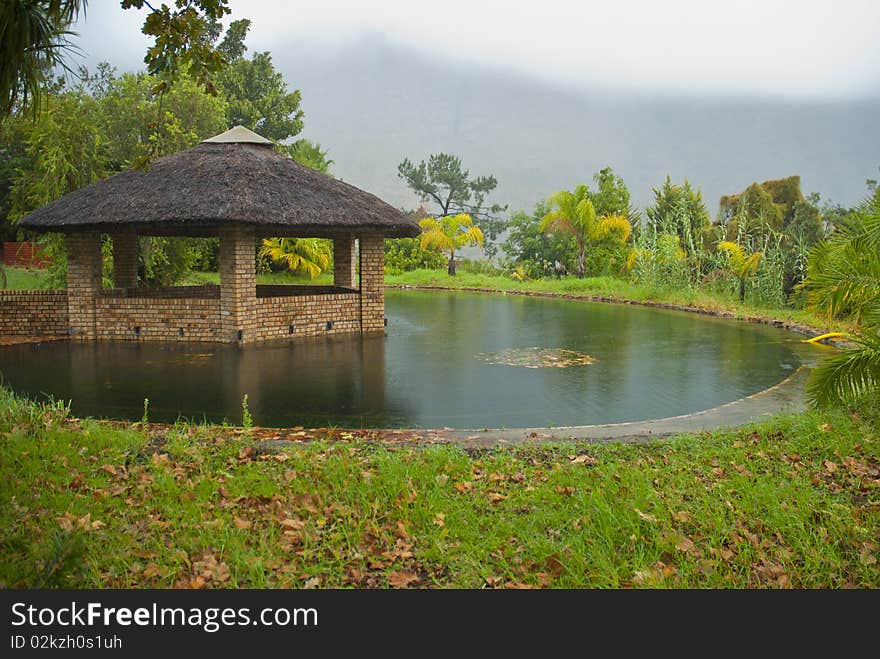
(537,357)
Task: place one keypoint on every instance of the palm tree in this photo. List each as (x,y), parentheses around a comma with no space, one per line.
(33,39)
(309,255)
(843,278)
(573,213)
(449,234)
(741,266)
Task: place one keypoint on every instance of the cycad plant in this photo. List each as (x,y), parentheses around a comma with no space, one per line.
(843,279)
(449,234)
(309,255)
(740,265)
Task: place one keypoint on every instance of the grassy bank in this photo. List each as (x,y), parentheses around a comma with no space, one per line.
(793,502)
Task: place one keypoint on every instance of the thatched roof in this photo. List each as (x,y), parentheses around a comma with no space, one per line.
(233,178)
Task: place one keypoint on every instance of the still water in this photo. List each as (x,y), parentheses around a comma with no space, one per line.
(454,360)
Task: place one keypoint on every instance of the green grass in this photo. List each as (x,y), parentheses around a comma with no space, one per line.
(285,277)
(794,501)
(616,288)
(25,278)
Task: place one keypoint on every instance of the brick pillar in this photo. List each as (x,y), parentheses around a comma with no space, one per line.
(344,262)
(238,284)
(83,283)
(125,260)
(372,283)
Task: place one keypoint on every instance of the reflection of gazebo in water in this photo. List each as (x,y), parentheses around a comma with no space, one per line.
(237,187)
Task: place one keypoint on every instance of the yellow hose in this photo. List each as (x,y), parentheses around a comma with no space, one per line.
(822,337)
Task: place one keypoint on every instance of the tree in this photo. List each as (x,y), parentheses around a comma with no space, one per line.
(679,209)
(534,249)
(612,196)
(256,93)
(572,213)
(309,255)
(129,111)
(740,265)
(443,181)
(450,233)
(183,41)
(33,40)
(309,154)
(65,150)
(844,279)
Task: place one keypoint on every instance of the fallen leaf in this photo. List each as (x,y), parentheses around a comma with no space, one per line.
(686,545)
(645,516)
(583,460)
(243,524)
(440,519)
(554,565)
(402,578)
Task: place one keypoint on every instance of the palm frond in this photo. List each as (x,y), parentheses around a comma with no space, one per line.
(849,374)
(616,227)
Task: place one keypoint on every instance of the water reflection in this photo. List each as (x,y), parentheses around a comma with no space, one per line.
(426,371)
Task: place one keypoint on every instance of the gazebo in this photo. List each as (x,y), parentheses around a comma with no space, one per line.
(235,186)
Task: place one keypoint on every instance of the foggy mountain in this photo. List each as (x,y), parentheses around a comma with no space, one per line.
(372,103)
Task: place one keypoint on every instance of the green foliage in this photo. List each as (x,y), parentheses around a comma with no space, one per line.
(679,210)
(406,254)
(61,155)
(309,154)
(612,196)
(309,255)
(182,41)
(534,249)
(844,278)
(443,181)
(247,421)
(145,417)
(449,234)
(572,213)
(34,38)
(256,94)
(128,114)
(164,261)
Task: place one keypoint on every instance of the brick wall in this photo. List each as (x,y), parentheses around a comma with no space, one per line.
(33,313)
(306,315)
(158,319)
(25,255)
(204,291)
(372,255)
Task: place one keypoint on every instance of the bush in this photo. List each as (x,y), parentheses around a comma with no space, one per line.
(405,254)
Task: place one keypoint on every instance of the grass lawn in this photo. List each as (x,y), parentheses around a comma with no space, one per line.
(25,278)
(286,277)
(792,502)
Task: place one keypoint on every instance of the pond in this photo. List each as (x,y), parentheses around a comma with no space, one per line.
(456,360)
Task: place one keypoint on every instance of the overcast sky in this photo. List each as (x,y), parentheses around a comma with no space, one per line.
(793,48)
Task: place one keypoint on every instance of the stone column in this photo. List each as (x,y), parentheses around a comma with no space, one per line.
(372,283)
(238,285)
(83,283)
(344,262)
(125,260)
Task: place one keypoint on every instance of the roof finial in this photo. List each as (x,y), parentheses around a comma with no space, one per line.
(238,135)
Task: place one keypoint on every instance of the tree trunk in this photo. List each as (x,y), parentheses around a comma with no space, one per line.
(582,263)
(742,290)
(450,270)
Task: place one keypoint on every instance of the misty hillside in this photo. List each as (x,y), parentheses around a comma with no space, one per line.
(371,104)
